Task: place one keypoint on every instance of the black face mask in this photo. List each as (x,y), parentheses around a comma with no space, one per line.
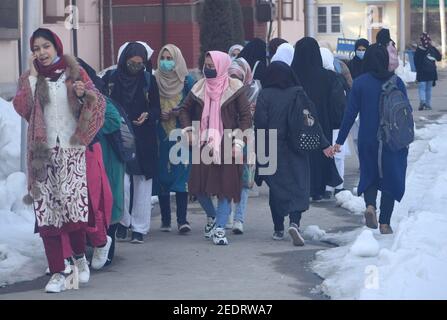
(134,68)
(210,73)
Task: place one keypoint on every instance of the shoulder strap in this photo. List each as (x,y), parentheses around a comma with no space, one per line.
(254,68)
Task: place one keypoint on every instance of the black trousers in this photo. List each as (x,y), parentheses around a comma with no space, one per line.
(386,203)
(181,199)
(111,233)
(278,216)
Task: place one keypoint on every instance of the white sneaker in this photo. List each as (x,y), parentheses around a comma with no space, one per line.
(56,284)
(210,225)
(67,270)
(230,222)
(100,255)
(219,237)
(84,271)
(294,233)
(238,227)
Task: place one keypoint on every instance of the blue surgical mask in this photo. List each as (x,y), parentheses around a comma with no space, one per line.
(210,73)
(167,65)
(360,54)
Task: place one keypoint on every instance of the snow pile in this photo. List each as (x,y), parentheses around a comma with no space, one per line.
(314,233)
(9,139)
(21,251)
(348,201)
(365,245)
(411,263)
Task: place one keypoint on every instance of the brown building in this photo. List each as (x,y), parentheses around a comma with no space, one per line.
(160,22)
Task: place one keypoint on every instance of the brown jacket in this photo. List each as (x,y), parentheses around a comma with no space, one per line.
(224,180)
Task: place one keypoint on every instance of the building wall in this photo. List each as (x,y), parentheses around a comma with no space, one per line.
(354,22)
(88,43)
(135,20)
(292,30)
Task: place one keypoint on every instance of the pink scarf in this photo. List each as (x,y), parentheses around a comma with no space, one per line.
(211,127)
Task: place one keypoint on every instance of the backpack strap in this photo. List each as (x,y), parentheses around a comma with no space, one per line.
(254,68)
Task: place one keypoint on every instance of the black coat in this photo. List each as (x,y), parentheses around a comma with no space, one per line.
(421,61)
(290,184)
(146,134)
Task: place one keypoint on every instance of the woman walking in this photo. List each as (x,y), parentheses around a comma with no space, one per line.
(64,111)
(219,103)
(365,100)
(290,184)
(135,89)
(174,84)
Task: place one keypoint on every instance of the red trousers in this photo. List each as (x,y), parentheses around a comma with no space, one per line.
(57,248)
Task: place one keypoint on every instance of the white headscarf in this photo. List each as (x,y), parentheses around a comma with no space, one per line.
(148,49)
(235,47)
(284,53)
(328,59)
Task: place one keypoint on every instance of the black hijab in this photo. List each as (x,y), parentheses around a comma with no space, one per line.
(356,64)
(256,50)
(128,86)
(97,81)
(279,75)
(376,62)
(307,58)
(383,37)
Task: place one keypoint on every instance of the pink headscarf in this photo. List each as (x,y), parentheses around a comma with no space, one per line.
(211,127)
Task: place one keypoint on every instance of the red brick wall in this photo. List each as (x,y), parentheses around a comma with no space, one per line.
(185,35)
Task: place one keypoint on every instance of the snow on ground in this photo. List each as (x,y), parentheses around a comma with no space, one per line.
(410,264)
(21,251)
(314,233)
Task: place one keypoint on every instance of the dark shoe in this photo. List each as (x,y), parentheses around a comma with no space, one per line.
(137,238)
(278,235)
(421,106)
(327,195)
(294,233)
(339,190)
(317,198)
(427,107)
(121,233)
(371,217)
(385,229)
(184,228)
(165,227)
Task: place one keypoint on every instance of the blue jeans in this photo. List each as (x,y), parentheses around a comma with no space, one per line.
(221,213)
(241,207)
(425,92)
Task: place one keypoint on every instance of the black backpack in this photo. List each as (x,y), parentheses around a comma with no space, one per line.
(396,127)
(304,132)
(122,140)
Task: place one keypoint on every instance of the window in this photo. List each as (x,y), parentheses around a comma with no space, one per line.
(54,10)
(287,9)
(375,14)
(329,19)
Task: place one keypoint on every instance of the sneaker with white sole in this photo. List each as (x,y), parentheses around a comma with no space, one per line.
(66,271)
(238,227)
(165,228)
(278,235)
(209,227)
(83,269)
(100,255)
(184,228)
(56,284)
(294,233)
(219,237)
